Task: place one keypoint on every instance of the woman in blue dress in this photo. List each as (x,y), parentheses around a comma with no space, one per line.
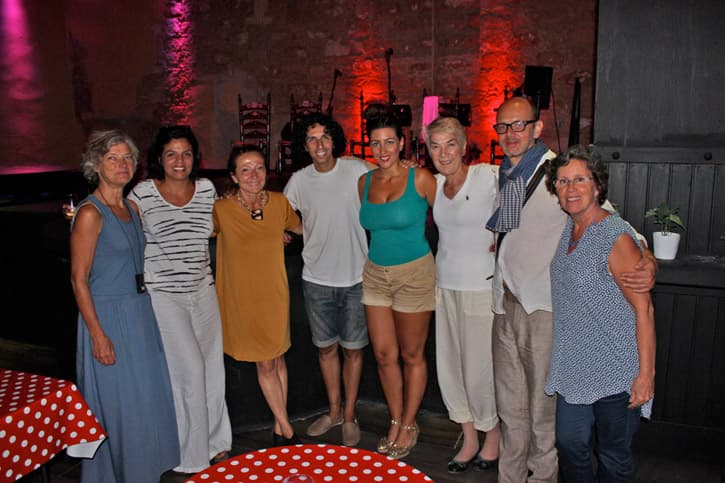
(121,367)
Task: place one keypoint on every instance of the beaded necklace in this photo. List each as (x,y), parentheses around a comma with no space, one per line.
(258,214)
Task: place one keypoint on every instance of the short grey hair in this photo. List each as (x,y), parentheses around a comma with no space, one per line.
(446,125)
(98,144)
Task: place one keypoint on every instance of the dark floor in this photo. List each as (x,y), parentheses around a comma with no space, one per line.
(664,452)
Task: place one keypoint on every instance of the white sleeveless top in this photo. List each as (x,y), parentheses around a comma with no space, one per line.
(464,260)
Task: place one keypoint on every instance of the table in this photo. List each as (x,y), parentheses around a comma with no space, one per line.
(308,463)
(39,417)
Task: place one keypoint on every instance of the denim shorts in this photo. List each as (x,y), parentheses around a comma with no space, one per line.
(336,314)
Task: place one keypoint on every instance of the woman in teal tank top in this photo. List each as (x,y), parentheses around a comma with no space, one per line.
(398,279)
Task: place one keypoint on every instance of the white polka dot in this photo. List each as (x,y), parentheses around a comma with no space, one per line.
(6,453)
(28,462)
(26,410)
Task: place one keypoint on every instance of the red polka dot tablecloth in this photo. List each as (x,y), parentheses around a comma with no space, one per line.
(39,417)
(310,463)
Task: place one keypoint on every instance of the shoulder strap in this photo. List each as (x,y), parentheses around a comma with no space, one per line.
(530,188)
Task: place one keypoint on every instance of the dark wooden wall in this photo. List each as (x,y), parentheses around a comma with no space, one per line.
(659,123)
(690,179)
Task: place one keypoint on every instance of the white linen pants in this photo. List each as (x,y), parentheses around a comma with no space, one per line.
(190,327)
(463,356)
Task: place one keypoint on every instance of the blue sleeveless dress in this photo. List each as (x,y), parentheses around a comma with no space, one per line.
(131,398)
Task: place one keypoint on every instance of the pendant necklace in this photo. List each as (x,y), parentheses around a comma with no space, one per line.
(258,214)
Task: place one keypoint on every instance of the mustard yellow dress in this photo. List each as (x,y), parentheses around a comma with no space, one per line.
(251,279)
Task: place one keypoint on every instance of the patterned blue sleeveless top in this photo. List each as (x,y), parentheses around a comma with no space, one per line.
(594,352)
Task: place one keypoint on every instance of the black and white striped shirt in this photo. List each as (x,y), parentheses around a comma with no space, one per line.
(177,238)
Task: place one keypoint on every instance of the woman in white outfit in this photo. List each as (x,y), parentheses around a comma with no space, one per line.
(465,198)
(176,209)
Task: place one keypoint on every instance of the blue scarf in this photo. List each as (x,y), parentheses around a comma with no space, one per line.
(512,188)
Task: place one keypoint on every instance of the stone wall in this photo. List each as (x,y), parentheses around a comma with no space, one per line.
(145,63)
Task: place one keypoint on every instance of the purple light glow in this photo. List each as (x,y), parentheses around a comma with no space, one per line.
(179,64)
(22,92)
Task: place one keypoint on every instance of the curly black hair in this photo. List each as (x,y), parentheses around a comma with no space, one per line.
(332,127)
(164,136)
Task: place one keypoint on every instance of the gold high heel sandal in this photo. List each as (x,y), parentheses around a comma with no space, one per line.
(398,452)
(384,444)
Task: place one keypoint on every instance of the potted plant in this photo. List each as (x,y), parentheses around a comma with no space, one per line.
(666,241)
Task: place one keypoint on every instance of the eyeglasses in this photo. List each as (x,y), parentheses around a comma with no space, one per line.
(257,215)
(516,126)
(564,182)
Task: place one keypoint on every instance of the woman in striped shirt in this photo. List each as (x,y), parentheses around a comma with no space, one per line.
(176,209)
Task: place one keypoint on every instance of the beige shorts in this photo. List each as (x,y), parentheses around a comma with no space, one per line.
(408,287)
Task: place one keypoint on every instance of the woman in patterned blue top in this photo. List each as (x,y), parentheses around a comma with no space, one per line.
(603,354)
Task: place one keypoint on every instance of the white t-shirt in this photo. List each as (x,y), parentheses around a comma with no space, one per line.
(176,258)
(464,260)
(335,247)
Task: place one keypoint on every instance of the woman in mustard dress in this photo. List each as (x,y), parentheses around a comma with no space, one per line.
(252,281)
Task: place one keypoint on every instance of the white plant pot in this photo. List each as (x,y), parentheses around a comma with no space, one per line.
(666,244)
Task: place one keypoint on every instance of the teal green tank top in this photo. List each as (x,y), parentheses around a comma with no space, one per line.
(397,228)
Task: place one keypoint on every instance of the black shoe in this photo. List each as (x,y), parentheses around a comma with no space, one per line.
(294,439)
(480,464)
(278,439)
(460,466)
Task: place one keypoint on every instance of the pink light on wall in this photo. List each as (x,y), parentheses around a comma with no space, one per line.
(21,90)
(179,63)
